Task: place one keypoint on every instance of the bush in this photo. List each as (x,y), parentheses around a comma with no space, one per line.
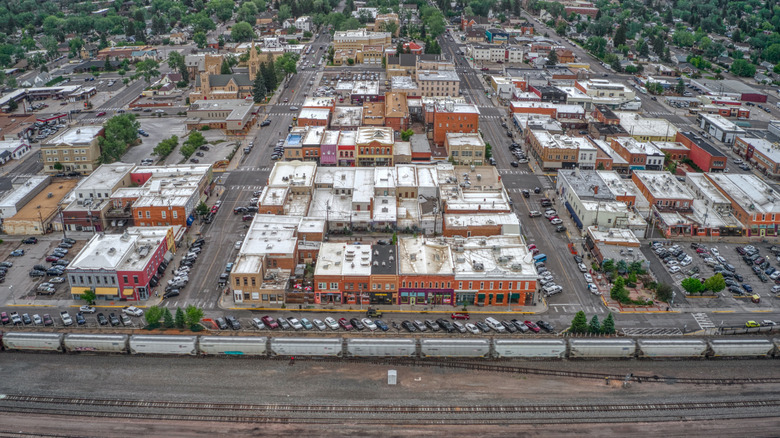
(205,128)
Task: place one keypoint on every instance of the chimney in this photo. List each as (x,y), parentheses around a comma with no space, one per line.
(596,190)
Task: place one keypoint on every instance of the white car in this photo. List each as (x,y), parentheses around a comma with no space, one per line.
(672,262)
(556,221)
(687,261)
(582,267)
(37,319)
(57,280)
(369,324)
(258,323)
(330,322)
(588,278)
(87,309)
(768,322)
(593,289)
(473,329)
(674,269)
(295,323)
(132,311)
(319,324)
(237,245)
(715,251)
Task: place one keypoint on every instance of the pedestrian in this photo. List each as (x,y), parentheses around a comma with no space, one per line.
(292,360)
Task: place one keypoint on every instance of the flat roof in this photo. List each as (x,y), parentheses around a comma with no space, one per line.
(642,126)
(419,255)
(587,184)
(385,260)
(42,205)
(749,191)
(314,113)
(465,139)
(702,186)
(636,147)
(451,106)
(365,87)
(347,116)
(382,134)
(663,184)
(722,123)
(438,75)
(402,83)
(80,135)
(700,142)
(607,148)
(319,101)
(766,147)
(295,173)
(622,187)
(17,194)
(557,141)
(479,258)
(330,137)
(613,235)
(105,176)
(344,259)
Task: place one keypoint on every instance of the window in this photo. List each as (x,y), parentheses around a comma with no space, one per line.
(238,281)
(322,286)
(175,214)
(162,213)
(135,279)
(140,214)
(246,282)
(148,214)
(334,286)
(124,279)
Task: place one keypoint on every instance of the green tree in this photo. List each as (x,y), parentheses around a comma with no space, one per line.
(176,61)
(258,88)
(242,32)
(620,35)
(594,327)
(200,39)
(148,69)
(552,58)
(75,46)
(608,327)
(165,147)
(180,321)
(119,132)
(193,142)
(58,166)
(692,285)
(560,29)
(680,87)
(716,283)
(288,63)
(225,68)
(193,316)
(743,68)
(152,316)
(644,49)
(390,26)
(407,134)
(12,105)
(284,13)
(683,38)
(223,9)
(618,291)
(168,318)
(202,209)
(247,13)
(580,323)
(663,292)
(608,265)
(89,296)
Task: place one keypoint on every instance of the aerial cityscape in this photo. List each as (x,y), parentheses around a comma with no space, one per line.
(445,217)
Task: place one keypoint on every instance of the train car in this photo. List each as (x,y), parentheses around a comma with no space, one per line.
(76,342)
(159,344)
(306,346)
(33,341)
(381,347)
(741,347)
(454,347)
(233,345)
(671,348)
(530,348)
(601,348)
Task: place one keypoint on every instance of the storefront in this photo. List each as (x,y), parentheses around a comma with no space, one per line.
(329,297)
(380,298)
(426,296)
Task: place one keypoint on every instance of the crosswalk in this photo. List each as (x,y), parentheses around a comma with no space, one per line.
(513,172)
(573,308)
(110,109)
(253,169)
(201,304)
(703,320)
(481,116)
(291,114)
(247,188)
(659,113)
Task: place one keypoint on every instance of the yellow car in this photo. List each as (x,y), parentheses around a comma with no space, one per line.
(752,324)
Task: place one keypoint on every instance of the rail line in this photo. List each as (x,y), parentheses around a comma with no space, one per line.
(286,413)
(492,367)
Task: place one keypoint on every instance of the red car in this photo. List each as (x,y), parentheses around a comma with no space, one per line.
(214,209)
(459,315)
(531,247)
(101,114)
(269,322)
(700,251)
(52,258)
(345,324)
(4,318)
(533,327)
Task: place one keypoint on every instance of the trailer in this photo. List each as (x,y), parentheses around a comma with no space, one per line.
(741,347)
(306,346)
(671,348)
(233,345)
(454,347)
(601,348)
(33,341)
(156,344)
(530,348)
(381,347)
(76,342)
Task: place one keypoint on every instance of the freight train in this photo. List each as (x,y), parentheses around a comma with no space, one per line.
(618,348)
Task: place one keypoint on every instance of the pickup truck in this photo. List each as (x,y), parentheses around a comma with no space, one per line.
(15,318)
(87,309)
(66,319)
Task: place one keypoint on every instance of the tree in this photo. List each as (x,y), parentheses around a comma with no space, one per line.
(663,292)
(193,142)
(680,87)
(223,9)
(225,69)
(620,35)
(743,68)
(552,58)
(202,209)
(258,88)
(716,283)
(608,327)
(594,327)
(12,105)
(242,32)
(288,63)
(152,316)
(683,38)
(148,69)
(168,318)
(247,12)
(165,147)
(200,39)
(284,13)
(75,46)
(580,323)
(58,166)
(193,316)
(176,61)
(179,320)
(618,291)
(391,27)
(89,296)
(692,285)
(406,135)
(119,132)
(644,49)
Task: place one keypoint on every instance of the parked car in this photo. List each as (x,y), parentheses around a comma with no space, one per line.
(331,323)
(233,322)
(531,326)
(269,322)
(345,324)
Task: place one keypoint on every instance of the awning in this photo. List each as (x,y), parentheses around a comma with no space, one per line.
(106,291)
(128,292)
(77,290)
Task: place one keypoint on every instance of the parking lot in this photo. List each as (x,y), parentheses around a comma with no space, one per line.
(158,129)
(743,280)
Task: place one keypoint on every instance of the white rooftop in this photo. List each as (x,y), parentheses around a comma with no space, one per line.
(766,147)
(722,123)
(367,134)
(347,116)
(493,257)
(750,192)
(343,259)
(128,251)
(702,186)
(105,177)
(618,236)
(638,147)
(418,255)
(637,125)
(557,141)
(17,194)
(314,113)
(465,139)
(81,135)
(437,75)
(292,173)
(662,184)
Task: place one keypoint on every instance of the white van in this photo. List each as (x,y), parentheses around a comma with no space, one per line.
(494,324)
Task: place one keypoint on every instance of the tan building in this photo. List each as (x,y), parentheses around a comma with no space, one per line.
(210,86)
(235,116)
(438,83)
(39,216)
(356,39)
(465,148)
(381,21)
(77,149)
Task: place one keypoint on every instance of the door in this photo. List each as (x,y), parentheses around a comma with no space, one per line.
(412,301)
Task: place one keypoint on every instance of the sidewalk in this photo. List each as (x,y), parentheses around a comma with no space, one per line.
(226,303)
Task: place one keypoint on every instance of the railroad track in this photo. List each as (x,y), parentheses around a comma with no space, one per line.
(326,413)
(498,368)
